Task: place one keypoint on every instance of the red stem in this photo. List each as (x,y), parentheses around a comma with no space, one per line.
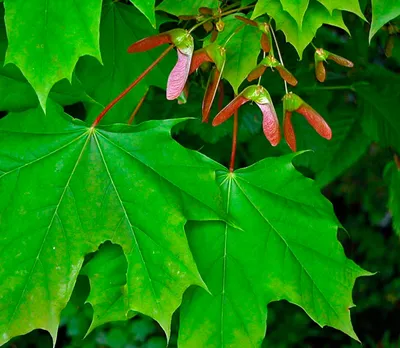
(133,84)
(234,140)
(137,108)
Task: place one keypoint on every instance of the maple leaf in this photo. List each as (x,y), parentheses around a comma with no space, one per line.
(49,41)
(67,190)
(287,249)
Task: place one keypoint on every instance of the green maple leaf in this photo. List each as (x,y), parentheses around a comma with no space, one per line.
(121,25)
(49,41)
(13,84)
(383,12)
(66,190)
(315,16)
(242,49)
(287,249)
(186,7)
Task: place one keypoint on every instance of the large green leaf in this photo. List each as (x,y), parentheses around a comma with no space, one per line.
(121,25)
(383,12)
(242,50)
(392,174)
(186,7)
(13,84)
(49,40)
(343,5)
(147,7)
(315,16)
(296,9)
(65,192)
(287,248)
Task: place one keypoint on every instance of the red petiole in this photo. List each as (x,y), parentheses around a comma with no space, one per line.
(132,85)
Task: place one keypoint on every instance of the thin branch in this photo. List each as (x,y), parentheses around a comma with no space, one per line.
(280,56)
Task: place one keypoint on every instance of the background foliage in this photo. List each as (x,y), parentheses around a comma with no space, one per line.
(81,64)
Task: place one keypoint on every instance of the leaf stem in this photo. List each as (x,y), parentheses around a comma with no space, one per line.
(236,10)
(259,79)
(233,34)
(223,14)
(280,56)
(137,108)
(234,140)
(133,84)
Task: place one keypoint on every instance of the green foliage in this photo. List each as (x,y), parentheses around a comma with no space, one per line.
(48,42)
(393,177)
(284,264)
(137,234)
(147,8)
(74,220)
(383,12)
(315,16)
(186,7)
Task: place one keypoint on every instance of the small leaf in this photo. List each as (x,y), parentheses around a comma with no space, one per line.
(242,50)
